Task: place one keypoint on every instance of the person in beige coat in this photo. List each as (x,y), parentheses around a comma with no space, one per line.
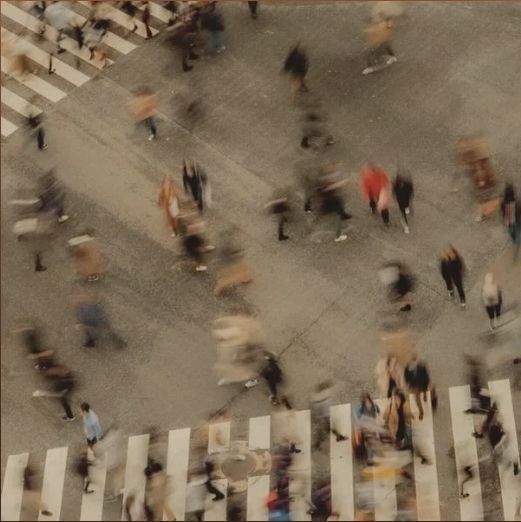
(88,260)
(144,107)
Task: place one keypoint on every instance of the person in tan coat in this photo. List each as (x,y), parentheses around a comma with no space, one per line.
(144,107)
(88,260)
(379,35)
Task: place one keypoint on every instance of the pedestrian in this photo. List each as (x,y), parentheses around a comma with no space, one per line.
(83,467)
(156,493)
(403,191)
(374,184)
(380,35)
(88,260)
(212,21)
(63,382)
(400,283)
(320,411)
(169,200)
(112,448)
(145,18)
(32,496)
(452,270)
(144,106)
(32,340)
(492,299)
(511,213)
(314,132)
(52,196)
(34,120)
(130,9)
(398,420)
(236,270)
(271,372)
(321,501)
(296,65)
(419,382)
(58,15)
(281,208)
(195,179)
(91,425)
(253,6)
(196,497)
(195,245)
(185,39)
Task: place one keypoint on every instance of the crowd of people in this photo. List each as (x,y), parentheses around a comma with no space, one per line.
(381,438)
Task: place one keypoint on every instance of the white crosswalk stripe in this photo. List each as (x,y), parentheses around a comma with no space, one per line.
(18,104)
(264,433)
(18,12)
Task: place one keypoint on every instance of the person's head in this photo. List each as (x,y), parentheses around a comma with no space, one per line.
(451,252)
(84,408)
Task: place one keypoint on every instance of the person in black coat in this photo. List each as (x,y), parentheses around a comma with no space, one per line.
(403,191)
(296,65)
(195,179)
(212,21)
(452,270)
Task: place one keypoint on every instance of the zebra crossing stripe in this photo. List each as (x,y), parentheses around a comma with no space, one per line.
(13,488)
(177,469)
(342,463)
(53,481)
(426,475)
(92,503)
(258,487)
(32,23)
(67,72)
(122,19)
(36,84)
(218,441)
(510,484)
(471,507)
(135,480)
(18,104)
(7,127)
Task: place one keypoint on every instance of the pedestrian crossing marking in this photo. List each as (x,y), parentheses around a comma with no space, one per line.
(466,453)
(13,489)
(36,84)
(33,24)
(7,127)
(177,469)
(67,72)
(18,104)
(53,481)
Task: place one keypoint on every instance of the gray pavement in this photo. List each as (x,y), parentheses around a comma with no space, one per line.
(321,304)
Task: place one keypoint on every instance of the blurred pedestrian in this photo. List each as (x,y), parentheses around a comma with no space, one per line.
(91,425)
(156,493)
(492,299)
(195,245)
(403,191)
(196,497)
(144,106)
(88,260)
(130,9)
(400,283)
(322,502)
(196,179)
(380,35)
(253,6)
(419,382)
(398,417)
(59,16)
(34,120)
(32,496)
(236,270)
(145,18)
(185,37)
(113,448)
(52,195)
(314,131)
(452,270)
(280,207)
(374,184)
(511,213)
(83,467)
(212,21)
(296,65)
(271,372)
(169,200)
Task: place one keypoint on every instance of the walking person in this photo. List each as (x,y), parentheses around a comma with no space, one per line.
(253,6)
(492,299)
(196,497)
(379,35)
(88,260)
(271,372)
(212,21)
(452,270)
(400,284)
(195,245)
(91,425)
(296,65)
(144,106)
(196,179)
(34,121)
(374,184)
(398,420)
(145,18)
(511,213)
(52,196)
(403,191)
(32,497)
(185,39)
(169,201)
(157,492)
(130,9)
(280,207)
(419,382)
(83,466)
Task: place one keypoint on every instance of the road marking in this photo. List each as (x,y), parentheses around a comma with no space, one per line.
(218,442)
(7,127)
(510,484)
(36,84)
(67,72)
(92,503)
(13,487)
(300,473)
(135,480)
(18,104)
(259,486)
(177,469)
(341,453)
(53,481)
(471,507)
(32,23)
(425,475)
(123,19)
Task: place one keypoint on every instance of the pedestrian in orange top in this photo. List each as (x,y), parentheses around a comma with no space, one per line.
(169,202)
(374,184)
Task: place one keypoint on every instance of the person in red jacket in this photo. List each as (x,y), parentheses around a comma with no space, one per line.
(374,184)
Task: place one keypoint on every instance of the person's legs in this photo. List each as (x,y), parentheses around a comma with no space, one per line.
(213,490)
(461,293)
(372,205)
(152,126)
(282,220)
(387,49)
(448,282)
(66,407)
(38,267)
(307,205)
(322,431)
(417,397)
(40,138)
(385,216)
(253,9)
(90,338)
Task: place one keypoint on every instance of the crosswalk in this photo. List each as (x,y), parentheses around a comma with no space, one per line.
(72,69)
(262,436)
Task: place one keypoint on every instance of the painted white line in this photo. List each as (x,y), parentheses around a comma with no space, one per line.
(342,496)
(122,19)
(258,487)
(300,472)
(135,480)
(177,469)
(7,127)
(92,503)
(67,72)
(36,84)
(53,481)
(218,441)
(13,486)
(386,507)
(471,507)
(425,475)
(18,104)
(33,24)
(510,484)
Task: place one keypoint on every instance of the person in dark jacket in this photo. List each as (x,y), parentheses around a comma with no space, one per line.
(145,17)
(280,206)
(52,196)
(195,179)
(400,283)
(253,8)
(511,213)
(403,191)
(296,65)
(212,22)
(452,269)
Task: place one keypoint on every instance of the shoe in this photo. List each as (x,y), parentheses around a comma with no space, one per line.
(60,50)
(392,59)
(463,305)
(201,268)
(341,237)
(40,269)
(406,229)
(68,419)
(44,146)
(340,438)
(273,400)
(407,210)
(39,393)
(425,461)
(251,383)
(451,293)
(477,435)
(282,237)
(152,137)
(46,513)
(368,70)
(187,68)
(346,216)
(93,278)
(309,211)
(221,49)
(406,308)
(87,491)
(218,497)
(479,219)
(134,30)
(63,218)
